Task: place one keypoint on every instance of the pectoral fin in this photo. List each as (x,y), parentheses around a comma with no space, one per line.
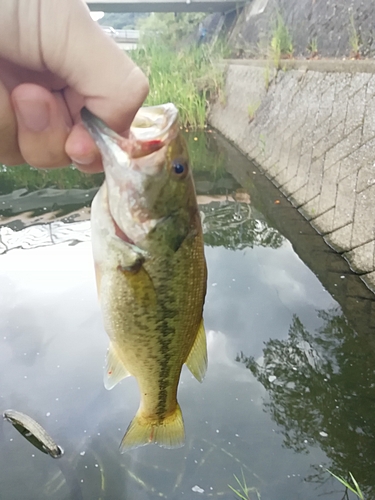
(197,359)
(115,370)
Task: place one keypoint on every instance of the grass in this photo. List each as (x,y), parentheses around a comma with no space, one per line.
(189,77)
(244,490)
(313,47)
(205,155)
(262,143)
(281,45)
(354,39)
(31,179)
(354,489)
(252,109)
(266,76)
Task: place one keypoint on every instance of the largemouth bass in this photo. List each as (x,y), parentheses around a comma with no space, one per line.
(150,268)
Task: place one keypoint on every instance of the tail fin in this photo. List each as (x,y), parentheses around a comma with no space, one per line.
(169,433)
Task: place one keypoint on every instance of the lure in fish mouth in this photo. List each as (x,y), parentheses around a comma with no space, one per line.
(150,268)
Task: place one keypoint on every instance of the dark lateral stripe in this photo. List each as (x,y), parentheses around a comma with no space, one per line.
(166,336)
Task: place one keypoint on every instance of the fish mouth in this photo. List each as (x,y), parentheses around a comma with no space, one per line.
(107,140)
(152,128)
(134,166)
(95,126)
(155,122)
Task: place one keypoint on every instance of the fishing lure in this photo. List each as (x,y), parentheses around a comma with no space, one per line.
(33,432)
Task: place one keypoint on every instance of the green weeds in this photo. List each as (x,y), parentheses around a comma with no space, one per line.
(31,179)
(266,76)
(244,491)
(252,109)
(354,39)
(188,77)
(262,144)
(313,47)
(204,153)
(281,45)
(354,489)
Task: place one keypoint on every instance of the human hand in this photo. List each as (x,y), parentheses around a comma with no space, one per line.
(53,61)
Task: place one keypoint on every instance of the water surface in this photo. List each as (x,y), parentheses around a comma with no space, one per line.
(289,390)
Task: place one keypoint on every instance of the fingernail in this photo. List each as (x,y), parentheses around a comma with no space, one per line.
(84,160)
(34,115)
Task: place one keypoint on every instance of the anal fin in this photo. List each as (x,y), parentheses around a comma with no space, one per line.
(197,359)
(115,370)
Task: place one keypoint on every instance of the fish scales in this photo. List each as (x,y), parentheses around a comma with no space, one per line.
(150,268)
(150,332)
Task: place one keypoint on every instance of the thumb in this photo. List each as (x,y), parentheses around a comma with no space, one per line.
(75,48)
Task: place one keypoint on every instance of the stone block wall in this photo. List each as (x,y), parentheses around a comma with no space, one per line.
(332,25)
(313,134)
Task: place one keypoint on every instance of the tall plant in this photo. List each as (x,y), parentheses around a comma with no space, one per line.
(188,77)
(281,44)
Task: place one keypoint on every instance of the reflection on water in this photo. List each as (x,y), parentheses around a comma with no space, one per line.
(290,385)
(237,226)
(321,387)
(43,235)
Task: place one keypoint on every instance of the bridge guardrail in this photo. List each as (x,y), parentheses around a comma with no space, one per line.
(120,35)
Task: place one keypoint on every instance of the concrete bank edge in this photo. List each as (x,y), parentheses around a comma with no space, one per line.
(312,133)
(321,65)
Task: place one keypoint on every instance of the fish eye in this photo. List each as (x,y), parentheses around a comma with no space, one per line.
(179,168)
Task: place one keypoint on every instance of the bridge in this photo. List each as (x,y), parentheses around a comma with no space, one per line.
(208,6)
(126,39)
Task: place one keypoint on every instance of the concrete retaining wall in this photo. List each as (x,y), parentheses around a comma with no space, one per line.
(313,134)
(332,25)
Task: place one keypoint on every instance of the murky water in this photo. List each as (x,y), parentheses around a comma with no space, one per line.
(290,389)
